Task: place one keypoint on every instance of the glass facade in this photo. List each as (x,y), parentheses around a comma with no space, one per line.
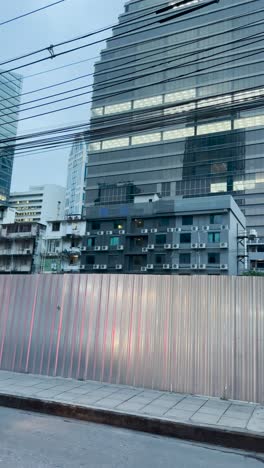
(75,177)
(10,92)
(177,107)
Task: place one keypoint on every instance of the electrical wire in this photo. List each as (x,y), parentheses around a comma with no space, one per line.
(127,33)
(152,64)
(31,12)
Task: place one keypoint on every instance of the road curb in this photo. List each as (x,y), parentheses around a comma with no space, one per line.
(188,431)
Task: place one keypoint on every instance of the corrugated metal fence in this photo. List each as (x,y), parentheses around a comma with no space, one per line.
(201,335)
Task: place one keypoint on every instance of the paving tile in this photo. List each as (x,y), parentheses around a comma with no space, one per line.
(179,414)
(204,418)
(212,411)
(231,422)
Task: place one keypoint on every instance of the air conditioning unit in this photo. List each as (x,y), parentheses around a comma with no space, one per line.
(82,267)
(194,266)
(175,246)
(109,233)
(224,227)
(206,228)
(88,234)
(253,233)
(144,231)
(153,230)
(84,249)
(167,246)
(178,229)
(105,247)
(103,267)
(202,246)
(121,231)
(143,268)
(97,248)
(166,266)
(118,267)
(144,249)
(224,267)
(150,267)
(96,267)
(195,228)
(151,247)
(170,230)
(194,246)
(175,266)
(100,233)
(120,247)
(202,267)
(223,245)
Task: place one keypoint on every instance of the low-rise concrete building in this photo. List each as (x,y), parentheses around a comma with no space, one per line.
(187,236)
(61,246)
(20,246)
(255,248)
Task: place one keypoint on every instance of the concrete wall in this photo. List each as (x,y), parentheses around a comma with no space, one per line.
(202,335)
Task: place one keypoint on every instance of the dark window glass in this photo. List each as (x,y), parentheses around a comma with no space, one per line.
(96,225)
(261,248)
(138,260)
(91,242)
(55,227)
(187,220)
(164,222)
(139,241)
(138,223)
(216,219)
(185,258)
(161,239)
(90,260)
(185,238)
(213,258)
(160,259)
(113,260)
(214,237)
(118,224)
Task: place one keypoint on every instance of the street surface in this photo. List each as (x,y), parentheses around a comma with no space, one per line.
(29,440)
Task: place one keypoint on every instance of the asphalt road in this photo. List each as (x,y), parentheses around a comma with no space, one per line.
(29,440)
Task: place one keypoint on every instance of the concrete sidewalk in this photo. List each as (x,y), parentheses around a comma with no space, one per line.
(229,423)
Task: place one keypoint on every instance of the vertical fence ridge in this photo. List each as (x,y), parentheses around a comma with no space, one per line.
(201,335)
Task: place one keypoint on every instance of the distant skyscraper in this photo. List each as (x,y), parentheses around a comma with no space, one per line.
(75,188)
(10,91)
(178,106)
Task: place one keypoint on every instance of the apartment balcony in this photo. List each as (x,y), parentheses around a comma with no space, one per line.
(16,252)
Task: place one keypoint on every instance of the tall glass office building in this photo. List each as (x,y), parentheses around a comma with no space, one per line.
(10,92)
(178,105)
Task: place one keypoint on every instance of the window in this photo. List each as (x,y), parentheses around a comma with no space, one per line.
(185,238)
(179,133)
(118,225)
(216,219)
(213,127)
(260,248)
(139,241)
(185,259)
(90,260)
(161,239)
(164,222)
(114,241)
(219,187)
(96,225)
(213,258)
(148,102)
(91,242)
(138,260)
(116,143)
(213,237)
(74,260)
(139,223)
(187,220)
(160,259)
(55,227)
(113,260)
(146,138)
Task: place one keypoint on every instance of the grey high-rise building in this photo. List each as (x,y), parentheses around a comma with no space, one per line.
(10,92)
(178,106)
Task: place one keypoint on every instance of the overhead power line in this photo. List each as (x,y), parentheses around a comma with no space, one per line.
(30,12)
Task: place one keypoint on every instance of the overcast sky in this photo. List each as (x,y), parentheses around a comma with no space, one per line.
(56,24)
